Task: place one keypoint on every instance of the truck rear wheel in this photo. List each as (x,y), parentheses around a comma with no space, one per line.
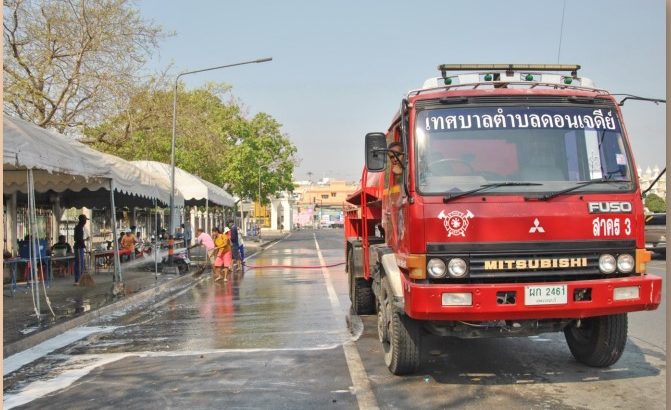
(360,290)
(399,334)
(599,341)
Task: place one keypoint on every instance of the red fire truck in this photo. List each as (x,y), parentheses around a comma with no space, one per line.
(502,201)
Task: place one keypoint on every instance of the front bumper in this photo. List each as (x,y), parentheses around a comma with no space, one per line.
(424,302)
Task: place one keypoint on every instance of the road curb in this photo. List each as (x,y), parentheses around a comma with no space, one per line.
(158,292)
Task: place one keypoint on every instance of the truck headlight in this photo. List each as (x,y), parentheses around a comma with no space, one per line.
(607,263)
(457,267)
(625,263)
(436,268)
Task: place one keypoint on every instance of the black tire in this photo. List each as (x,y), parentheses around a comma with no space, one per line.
(403,345)
(364,299)
(599,341)
(361,291)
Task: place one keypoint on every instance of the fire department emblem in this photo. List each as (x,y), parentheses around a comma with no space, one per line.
(455,222)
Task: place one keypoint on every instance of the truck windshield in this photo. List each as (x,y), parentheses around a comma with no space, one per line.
(460,149)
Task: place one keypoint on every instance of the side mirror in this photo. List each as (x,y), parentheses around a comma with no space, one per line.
(376,151)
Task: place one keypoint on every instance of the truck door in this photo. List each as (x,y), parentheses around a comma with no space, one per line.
(394,197)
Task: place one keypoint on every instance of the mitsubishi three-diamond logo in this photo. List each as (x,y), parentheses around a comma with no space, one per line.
(537,227)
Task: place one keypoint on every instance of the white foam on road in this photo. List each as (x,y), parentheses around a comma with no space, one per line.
(80,366)
(41,388)
(18,360)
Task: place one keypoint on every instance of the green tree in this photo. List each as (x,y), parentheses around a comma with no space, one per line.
(143,131)
(655,203)
(261,159)
(72,62)
(214,139)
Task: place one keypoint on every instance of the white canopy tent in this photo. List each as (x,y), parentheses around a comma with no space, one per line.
(193,189)
(76,174)
(62,164)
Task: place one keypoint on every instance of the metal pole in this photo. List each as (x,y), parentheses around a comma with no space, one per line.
(207,215)
(174,127)
(34,246)
(156,247)
(259,188)
(115,247)
(243,226)
(172,156)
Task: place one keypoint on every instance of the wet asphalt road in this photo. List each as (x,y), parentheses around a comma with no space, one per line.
(277,338)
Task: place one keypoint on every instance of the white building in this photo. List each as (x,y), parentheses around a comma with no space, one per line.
(646,177)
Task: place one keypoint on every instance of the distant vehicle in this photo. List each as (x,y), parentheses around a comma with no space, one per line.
(655,233)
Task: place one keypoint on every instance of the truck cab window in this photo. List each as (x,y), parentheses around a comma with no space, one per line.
(459,149)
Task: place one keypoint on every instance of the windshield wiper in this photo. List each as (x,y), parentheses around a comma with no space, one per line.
(485,187)
(581,185)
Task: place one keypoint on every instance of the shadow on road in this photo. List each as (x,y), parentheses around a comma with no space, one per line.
(502,361)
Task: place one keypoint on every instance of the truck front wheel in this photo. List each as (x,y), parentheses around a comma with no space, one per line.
(400,336)
(598,341)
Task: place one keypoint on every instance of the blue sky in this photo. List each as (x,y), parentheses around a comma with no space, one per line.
(340,69)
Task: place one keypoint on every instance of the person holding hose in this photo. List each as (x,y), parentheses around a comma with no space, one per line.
(222,246)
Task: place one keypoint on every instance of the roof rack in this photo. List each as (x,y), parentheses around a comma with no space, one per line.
(556,76)
(509,68)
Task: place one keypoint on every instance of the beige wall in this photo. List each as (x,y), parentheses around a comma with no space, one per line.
(333,193)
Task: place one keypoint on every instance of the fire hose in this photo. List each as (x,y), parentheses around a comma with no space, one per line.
(293,266)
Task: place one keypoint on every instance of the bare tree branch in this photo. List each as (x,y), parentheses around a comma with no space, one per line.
(72,62)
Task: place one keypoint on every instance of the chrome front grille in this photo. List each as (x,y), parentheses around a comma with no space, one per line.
(529,261)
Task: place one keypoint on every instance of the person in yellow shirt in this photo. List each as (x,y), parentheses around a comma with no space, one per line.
(222,248)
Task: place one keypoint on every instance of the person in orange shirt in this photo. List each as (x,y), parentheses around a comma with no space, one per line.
(128,244)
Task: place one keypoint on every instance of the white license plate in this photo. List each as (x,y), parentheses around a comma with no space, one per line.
(187,260)
(546,295)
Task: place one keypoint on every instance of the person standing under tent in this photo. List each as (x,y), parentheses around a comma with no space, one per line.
(128,244)
(187,237)
(80,248)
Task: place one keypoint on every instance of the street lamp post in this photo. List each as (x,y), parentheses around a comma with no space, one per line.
(260,168)
(174,127)
(259,187)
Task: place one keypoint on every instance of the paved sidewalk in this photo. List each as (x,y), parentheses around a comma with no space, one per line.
(70,302)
